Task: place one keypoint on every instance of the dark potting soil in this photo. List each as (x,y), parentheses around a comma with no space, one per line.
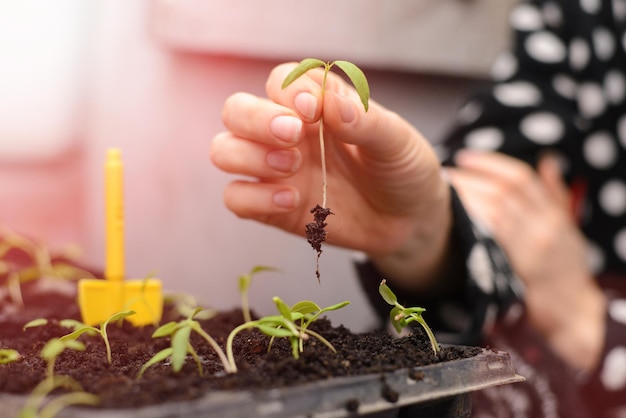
(118,387)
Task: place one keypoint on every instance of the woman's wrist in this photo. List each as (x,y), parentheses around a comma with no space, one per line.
(574,329)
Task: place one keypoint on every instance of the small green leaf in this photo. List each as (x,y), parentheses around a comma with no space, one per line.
(359,80)
(35,323)
(72,323)
(165,330)
(180,341)
(274,332)
(387,294)
(284,310)
(397,319)
(304,66)
(157,358)
(305,307)
(74,335)
(8,355)
(116,317)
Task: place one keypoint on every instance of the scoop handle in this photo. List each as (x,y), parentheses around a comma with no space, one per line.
(114,215)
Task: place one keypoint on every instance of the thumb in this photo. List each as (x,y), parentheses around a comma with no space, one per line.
(379,132)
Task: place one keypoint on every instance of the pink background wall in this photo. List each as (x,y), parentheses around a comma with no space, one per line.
(117,85)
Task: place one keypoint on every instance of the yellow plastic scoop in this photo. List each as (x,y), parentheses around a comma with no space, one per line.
(100,299)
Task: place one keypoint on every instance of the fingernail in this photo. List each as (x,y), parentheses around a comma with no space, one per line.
(346,109)
(283,160)
(306,104)
(286,128)
(284,199)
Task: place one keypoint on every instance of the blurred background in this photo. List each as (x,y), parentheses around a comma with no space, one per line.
(150,77)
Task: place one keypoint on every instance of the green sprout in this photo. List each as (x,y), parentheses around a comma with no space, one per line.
(81,328)
(53,348)
(401,316)
(33,407)
(183,304)
(315,231)
(8,355)
(245,280)
(180,333)
(42,264)
(291,323)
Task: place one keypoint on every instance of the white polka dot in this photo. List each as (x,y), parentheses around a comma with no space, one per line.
(520,93)
(504,66)
(621,130)
(620,244)
(617,310)
(612,197)
(565,86)
(542,128)
(613,374)
(526,17)
(590,6)
(591,100)
(579,54)
(615,86)
(603,43)
(469,113)
(479,266)
(545,47)
(484,139)
(619,9)
(595,258)
(552,14)
(600,150)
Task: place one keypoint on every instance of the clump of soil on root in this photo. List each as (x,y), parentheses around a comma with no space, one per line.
(316,232)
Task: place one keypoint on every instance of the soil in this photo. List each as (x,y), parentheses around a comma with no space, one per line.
(316,232)
(357,354)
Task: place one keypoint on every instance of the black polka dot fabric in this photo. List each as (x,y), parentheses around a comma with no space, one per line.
(563,89)
(560,89)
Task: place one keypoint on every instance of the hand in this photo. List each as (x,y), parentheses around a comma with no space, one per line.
(384,184)
(528,215)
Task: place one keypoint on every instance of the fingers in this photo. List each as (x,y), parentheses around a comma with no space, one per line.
(380,133)
(260,120)
(549,171)
(259,201)
(240,156)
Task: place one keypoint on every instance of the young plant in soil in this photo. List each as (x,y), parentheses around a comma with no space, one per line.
(244,282)
(401,316)
(34,408)
(8,355)
(291,323)
(316,230)
(180,332)
(81,328)
(23,261)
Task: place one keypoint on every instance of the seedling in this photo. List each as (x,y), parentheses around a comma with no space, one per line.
(183,304)
(38,263)
(245,280)
(291,323)
(53,348)
(180,333)
(316,230)
(401,316)
(81,328)
(8,355)
(34,409)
